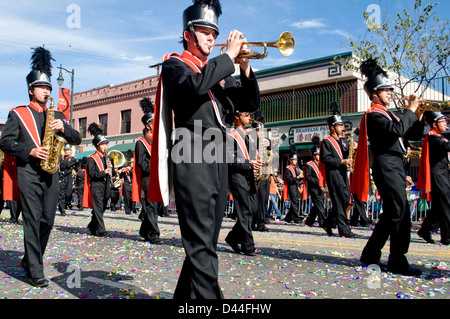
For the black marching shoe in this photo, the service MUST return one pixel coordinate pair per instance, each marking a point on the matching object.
(425, 235)
(38, 282)
(233, 246)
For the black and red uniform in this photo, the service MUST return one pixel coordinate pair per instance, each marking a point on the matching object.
(97, 190)
(38, 190)
(149, 229)
(203, 97)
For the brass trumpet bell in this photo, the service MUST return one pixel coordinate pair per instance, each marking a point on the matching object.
(429, 105)
(285, 44)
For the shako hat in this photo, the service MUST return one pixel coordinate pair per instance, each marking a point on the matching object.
(41, 68)
(316, 145)
(202, 13)
(335, 117)
(97, 132)
(148, 109)
(432, 117)
(377, 78)
(293, 153)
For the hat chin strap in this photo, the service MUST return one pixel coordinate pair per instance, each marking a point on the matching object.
(192, 30)
(381, 100)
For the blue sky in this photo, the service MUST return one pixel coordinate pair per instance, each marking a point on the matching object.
(115, 41)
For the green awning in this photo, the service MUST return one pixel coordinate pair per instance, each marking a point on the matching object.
(83, 154)
(122, 147)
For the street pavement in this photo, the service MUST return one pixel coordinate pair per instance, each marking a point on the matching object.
(294, 262)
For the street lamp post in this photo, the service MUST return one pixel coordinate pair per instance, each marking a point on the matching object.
(60, 81)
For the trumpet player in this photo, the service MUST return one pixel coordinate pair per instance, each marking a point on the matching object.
(434, 177)
(37, 190)
(202, 94)
(97, 184)
(388, 135)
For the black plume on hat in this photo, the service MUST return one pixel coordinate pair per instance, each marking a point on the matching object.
(41, 68)
(292, 152)
(41, 60)
(316, 144)
(371, 69)
(94, 129)
(316, 140)
(148, 108)
(335, 109)
(147, 105)
(211, 3)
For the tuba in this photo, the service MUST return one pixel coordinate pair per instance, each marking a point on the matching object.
(266, 158)
(53, 142)
(118, 158)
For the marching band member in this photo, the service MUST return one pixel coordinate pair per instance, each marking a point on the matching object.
(434, 177)
(203, 96)
(387, 134)
(141, 174)
(66, 166)
(312, 176)
(21, 141)
(334, 151)
(98, 180)
(126, 175)
(242, 185)
(292, 179)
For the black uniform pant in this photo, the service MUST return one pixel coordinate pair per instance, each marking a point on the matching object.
(440, 207)
(39, 196)
(115, 196)
(262, 198)
(317, 209)
(294, 208)
(242, 190)
(62, 195)
(340, 200)
(99, 201)
(200, 194)
(127, 203)
(149, 216)
(395, 221)
(359, 213)
(80, 192)
(15, 208)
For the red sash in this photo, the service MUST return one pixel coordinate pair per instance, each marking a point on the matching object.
(158, 190)
(315, 167)
(240, 141)
(322, 170)
(23, 112)
(285, 185)
(87, 195)
(424, 177)
(137, 172)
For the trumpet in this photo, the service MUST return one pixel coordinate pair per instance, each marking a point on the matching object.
(427, 105)
(285, 44)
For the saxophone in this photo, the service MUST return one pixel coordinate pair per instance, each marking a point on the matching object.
(351, 153)
(53, 142)
(266, 158)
